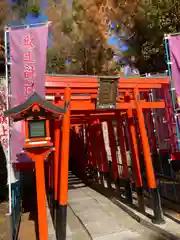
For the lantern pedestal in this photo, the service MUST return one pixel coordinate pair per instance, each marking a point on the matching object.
(39, 155)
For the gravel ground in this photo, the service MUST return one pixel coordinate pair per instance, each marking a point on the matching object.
(3, 225)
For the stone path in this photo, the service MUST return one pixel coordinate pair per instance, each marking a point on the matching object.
(91, 216)
(51, 230)
(75, 229)
(100, 219)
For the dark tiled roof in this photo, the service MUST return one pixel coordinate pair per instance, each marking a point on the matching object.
(35, 98)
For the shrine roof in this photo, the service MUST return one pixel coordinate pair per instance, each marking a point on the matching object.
(35, 99)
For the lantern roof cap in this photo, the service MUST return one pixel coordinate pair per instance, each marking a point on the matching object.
(30, 102)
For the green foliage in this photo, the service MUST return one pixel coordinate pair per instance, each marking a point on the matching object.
(55, 62)
(150, 20)
(80, 42)
(67, 26)
(34, 9)
(19, 9)
(4, 15)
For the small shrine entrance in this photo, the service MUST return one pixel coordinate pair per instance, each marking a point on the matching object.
(126, 106)
(101, 112)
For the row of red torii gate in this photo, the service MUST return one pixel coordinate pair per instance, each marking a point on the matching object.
(100, 128)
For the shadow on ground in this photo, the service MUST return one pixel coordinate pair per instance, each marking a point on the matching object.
(29, 204)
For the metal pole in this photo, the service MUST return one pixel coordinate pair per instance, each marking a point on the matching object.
(8, 130)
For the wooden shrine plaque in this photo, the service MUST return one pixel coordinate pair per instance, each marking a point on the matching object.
(107, 94)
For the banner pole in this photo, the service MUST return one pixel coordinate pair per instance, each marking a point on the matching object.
(8, 155)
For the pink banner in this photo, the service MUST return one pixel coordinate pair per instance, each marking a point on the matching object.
(3, 120)
(174, 42)
(28, 47)
(28, 62)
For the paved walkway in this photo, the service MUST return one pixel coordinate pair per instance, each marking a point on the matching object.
(91, 216)
(51, 230)
(99, 219)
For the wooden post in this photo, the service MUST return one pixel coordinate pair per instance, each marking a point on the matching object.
(64, 167)
(41, 199)
(156, 202)
(50, 182)
(96, 152)
(38, 156)
(93, 154)
(82, 159)
(51, 173)
(77, 154)
(102, 148)
(92, 158)
(73, 152)
(136, 164)
(112, 143)
(121, 138)
(148, 115)
(91, 147)
(57, 132)
(97, 149)
(48, 167)
(56, 158)
(104, 155)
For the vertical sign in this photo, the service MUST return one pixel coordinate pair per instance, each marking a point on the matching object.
(4, 125)
(28, 48)
(29, 65)
(3, 120)
(174, 50)
(28, 62)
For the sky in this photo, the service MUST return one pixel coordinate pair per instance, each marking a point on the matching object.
(115, 41)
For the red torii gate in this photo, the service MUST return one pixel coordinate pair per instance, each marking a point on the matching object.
(94, 100)
(130, 101)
